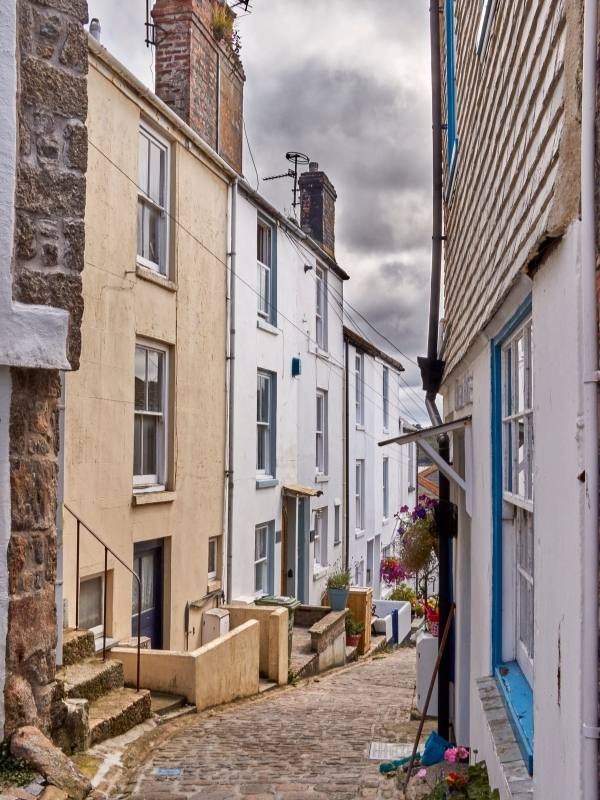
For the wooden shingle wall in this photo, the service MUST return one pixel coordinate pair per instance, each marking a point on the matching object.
(516, 180)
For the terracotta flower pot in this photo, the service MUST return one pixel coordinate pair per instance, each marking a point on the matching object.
(353, 640)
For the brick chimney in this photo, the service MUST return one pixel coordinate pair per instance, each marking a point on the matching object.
(317, 207)
(199, 73)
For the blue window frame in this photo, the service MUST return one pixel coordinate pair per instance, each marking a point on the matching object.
(452, 138)
(513, 683)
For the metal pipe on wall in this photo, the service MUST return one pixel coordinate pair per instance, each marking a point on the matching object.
(231, 386)
(589, 317)
(59, 586)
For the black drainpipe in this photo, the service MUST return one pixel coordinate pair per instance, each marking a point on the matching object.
(432, 369)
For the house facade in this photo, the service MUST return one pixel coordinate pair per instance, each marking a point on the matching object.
(517, 336)
(146, 424)
(288, 390)
(379, 480)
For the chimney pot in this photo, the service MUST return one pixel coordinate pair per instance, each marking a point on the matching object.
(95, 28)
(313, 166)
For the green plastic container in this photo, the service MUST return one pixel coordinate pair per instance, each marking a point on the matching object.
(286, 602)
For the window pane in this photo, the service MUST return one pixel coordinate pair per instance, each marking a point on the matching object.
(520, 374)
(156, 177)
(147, 582)
(137, 445)
(143, 164)
(149, 438)
(521, 460)
(262, 399)
(155, 380)
(263, 244)
(212, 556)
(153, 226)
(90, 603)
(140, 229)
(140, 378)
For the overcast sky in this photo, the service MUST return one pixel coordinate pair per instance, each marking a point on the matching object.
(347, 83)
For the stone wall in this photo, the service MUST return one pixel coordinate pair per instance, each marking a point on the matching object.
(47, 262)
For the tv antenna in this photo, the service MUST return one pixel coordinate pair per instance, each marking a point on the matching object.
(294, 158)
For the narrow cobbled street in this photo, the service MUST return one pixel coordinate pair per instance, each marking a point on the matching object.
(309, 741)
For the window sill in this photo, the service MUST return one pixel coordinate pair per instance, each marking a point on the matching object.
(358, 534)
(337, 544)
(144, 497)
(360, 427)
(320, 353)
(319, 573)
(213, 586)
(518, 782)
(266, 483)
(148, 274)
(263, 325)
(385, 520)
(320, 477)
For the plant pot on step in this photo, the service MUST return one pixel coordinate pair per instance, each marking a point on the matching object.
(337, 598)
(353, 640)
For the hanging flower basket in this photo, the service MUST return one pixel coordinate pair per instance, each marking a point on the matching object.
(392, 572)
(417, 536)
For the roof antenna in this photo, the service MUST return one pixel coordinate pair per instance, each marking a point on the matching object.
(294, 158)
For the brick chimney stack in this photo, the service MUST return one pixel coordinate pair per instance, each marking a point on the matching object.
(198, 72)
(317, 207)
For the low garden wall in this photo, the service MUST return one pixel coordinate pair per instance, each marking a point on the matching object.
(273, 646)
(218, 672)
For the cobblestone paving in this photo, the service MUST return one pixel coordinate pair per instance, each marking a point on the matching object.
(310, 741)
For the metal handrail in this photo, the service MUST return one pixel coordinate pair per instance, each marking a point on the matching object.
(107, 550)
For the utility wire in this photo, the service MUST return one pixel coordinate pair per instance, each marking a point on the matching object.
(330, 291)
(250, 151)
(305, 334)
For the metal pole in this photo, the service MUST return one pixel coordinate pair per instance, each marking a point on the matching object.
(77, 579)
(105, 591)
(444, 591)
(441, 651)
(139, 635)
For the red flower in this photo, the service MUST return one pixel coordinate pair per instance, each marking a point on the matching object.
(455, 779)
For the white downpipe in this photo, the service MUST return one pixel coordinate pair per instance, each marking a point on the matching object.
(589, 312)
(229, 476)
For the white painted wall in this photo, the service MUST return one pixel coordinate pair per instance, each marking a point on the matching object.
(363, 444)
(558, 521)
(273, 350)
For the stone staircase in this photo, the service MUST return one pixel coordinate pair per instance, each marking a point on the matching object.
(94, 691)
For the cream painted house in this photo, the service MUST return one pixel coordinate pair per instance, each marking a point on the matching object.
(146, 414)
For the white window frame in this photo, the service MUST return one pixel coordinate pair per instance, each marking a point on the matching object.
(385, 476)
(162, 266)
(213, 543)
(518, 494)
(157, 480)
(320, 540)
(359, 387)
(321, 307)
(321, 433)
(267, 470)
(265, 298)
(261, 561)
(385, 394)
(359, 495)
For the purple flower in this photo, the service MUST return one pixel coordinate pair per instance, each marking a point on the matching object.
(403, 509)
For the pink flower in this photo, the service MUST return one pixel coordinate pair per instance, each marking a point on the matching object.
(422, 773)
(450, 755)
(462, 753)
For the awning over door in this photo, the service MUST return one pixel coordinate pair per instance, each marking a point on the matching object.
(298, 489)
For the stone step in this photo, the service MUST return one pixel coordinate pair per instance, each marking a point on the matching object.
(91, 679)
(163, 703)
(117, 712)
(351, 653)
(304, 665)
(77, 646)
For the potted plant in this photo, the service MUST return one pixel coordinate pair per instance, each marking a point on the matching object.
(353, 631)
(417, 536)
(338, 584)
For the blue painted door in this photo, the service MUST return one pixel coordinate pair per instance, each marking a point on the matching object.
(148, 565)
